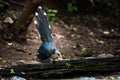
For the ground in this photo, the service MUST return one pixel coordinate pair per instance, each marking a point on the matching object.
(95, 34)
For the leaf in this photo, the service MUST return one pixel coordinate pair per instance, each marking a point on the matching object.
(51, 15)
(12, 71)
(54, 11)
(49, 10)
(85, 53)
(71, 7)
(68, 65)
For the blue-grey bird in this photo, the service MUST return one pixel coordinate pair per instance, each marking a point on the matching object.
(48, 49)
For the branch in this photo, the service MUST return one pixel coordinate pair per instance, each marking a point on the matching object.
(64, 68)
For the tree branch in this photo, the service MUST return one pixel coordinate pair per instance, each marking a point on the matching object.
(65, 68)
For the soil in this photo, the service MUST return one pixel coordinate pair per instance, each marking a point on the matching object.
(96, 34)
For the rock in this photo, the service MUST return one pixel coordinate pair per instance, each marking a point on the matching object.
(4, 61)
(6, 66)
(59, 36)
(104, 55)
(73, 35)
(112, 30)
(8, 20)
(106, 32)
(74, 46)
(67, 27)
(74, 29)
(83, 49)
(91, 33)
(56, 24)
(10, 44)
(101, 42)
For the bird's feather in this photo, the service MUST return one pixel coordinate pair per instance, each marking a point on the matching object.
(43, 26)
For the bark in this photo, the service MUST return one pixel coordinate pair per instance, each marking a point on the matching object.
(62, 69)
(25, 19)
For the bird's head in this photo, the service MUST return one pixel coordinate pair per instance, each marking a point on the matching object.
(56, 55)
(49, 50)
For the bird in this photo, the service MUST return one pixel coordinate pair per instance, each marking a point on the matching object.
(47, 49)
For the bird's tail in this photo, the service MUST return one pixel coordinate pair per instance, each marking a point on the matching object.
(43, 25)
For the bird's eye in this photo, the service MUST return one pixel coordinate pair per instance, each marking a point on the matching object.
(58, 54)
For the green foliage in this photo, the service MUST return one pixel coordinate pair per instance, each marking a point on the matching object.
(72, 8)
(12, 71)
(68, 65)
(13, 14)
(51, 14)
(85, 53)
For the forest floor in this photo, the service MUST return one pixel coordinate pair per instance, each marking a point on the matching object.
(76, 35)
